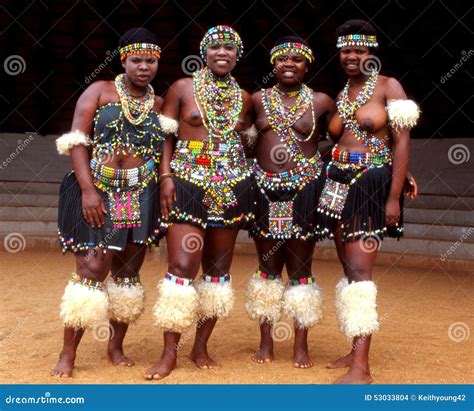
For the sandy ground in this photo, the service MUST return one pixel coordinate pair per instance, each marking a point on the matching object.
(426, 320)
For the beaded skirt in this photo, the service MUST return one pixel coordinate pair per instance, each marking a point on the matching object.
(132, 202)
(286, 203)
(214, 186)
(357, 192)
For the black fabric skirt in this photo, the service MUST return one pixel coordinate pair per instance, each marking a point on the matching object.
(285, 214)
(76, 236)
(364, 211)
(190, 207)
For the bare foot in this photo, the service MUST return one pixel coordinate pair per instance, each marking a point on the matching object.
(302, 360)
(64, 367)
(300, 349)
(355, 375)
(264, 355)
(162, 368)
(201, 358)
(117, 357)
(342, 362)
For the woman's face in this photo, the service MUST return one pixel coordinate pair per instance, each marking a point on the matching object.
(221, 58)
(290, 69)
(140, 69)
(352, 59)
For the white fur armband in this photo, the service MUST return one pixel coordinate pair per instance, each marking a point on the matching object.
(168, 125)
(251, 135)
(67, 141)
(402, 113)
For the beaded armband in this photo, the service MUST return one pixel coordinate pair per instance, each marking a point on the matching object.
(67, 141)
(402, 113)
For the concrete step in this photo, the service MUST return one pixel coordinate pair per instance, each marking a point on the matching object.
(439, 232)
(463, 218)
(441, 202)
(44, 214)
(22, 200)
(21, 187)
(28, 228)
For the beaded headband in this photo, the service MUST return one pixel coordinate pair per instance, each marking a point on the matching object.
(140, 48)
(221, 35)
(357, 40)
(290, 47)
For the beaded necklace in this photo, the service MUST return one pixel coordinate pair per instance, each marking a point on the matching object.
(135, 110)
(221, 100)
(283, 121)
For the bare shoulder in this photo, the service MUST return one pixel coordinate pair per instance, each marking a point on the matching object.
(158, 103)
(393, 89)
(322, 99)
(257, 97)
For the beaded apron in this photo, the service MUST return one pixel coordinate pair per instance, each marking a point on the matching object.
(334, 195)
(123, 188)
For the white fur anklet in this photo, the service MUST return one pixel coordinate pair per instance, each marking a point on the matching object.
(358, 309)
(67, 141)
(126, 299)
(84, 303)
(216, 296)
(402, 113)
(303, 302)
(168, 125)
(343, 283)
(264, 297)
(177, 303)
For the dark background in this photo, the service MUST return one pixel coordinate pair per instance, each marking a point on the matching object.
(63, 42)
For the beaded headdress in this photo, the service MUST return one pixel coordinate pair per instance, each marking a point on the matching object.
(291, 47)
(140, 48)
(357, 40)
(221, 35)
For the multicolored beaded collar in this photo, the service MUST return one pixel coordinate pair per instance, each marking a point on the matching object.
(221, 35)
(356, 40)
(221, 104)
(140, 48)
(291, 47)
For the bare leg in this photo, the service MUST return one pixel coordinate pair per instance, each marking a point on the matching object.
(125, 264)
(299, 257)
(216, 261)
(271, 257)
(95, 266)
(359, 263)
(185, 243)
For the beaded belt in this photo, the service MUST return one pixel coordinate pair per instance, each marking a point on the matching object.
(296, 178)
(360, 158)
(107, 177)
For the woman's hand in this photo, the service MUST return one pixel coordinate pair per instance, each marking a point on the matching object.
(93, 208)
(167, 197)
(410, 187)
(392, 212)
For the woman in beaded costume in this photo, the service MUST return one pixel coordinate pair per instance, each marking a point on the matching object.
(291, 117)
(361, 199)
(109, 203)
(205, 195)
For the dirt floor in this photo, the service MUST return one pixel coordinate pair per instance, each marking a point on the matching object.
(426, 318)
